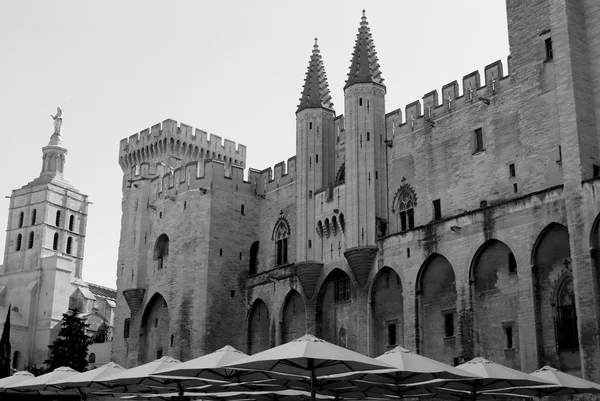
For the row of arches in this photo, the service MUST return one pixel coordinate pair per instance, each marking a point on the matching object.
(332, 227)
(482, 313)
(184, 150)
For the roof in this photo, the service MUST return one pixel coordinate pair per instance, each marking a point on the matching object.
(101, 291)
(315, 93)
(365, 64)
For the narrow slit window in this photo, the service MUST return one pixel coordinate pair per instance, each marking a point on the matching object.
(511, 170)
(437, 209)
(478, 140)
(515, 187)
(391, 334)
(548, 48)
(33, 216)
(21, 218)
(71, 222)
(309, 125)
(30, 244)
(508, 333)
(360, 101)
(449, 324)
(242, 209)
(55, 242)
(57, 221)
(19, 242)
(368, 136)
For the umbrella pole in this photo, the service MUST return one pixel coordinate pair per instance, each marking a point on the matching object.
(313, 379)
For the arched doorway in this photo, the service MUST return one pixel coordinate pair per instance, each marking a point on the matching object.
(258, 328)
(495, 304)
(387, 305)
(293, 319)
(336, 313)
(155, 330)
(556, 316)
(436, 292)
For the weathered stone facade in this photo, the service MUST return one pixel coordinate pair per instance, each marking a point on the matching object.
(465, 224)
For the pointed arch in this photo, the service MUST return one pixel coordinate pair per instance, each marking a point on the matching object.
(340, 176)
(495, 300)
(293, 317)
(154, 329)
(280, 235)
(336, 311)
(258, 327)
(387, 311)
(551, 255)
(436, 309)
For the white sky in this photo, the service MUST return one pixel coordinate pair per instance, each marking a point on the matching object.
(232, 68)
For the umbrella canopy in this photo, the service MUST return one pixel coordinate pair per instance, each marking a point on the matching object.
(494, 377)
(410, 368)
(18, 377)
(564, 384)
(213, 366)
(39, 383)
(309, 356)
(139, 379)
(84, 380)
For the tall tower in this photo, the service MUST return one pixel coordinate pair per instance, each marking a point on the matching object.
(43, 255)
(366, 168)
(315, 150)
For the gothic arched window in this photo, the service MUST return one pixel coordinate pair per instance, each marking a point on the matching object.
(566, 316)
(281, 234)
(161, 250)
(55, 242)
(57, 222)
(19, 241)
(33, 216)
(404, 206)
(69, 245)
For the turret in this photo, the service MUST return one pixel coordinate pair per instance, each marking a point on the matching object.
(315, 150)
(366, 168)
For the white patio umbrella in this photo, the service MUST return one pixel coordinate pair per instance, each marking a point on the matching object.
(82, 382)
(140, 380)
(309, 356)
(563, 384)
(18, 377)
(38, 384)
(214, 366)
(494, 377)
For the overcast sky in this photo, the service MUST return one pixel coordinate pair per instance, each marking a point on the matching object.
(232, 68)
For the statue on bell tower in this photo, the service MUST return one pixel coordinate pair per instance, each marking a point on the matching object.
(57, 121)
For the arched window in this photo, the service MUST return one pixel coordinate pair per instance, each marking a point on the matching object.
(566, 316)
(33, 216)
(342, 222)
(55, 242)
(161, 251)
(21, 219)
(282, 233)
(254, 258)
(92, 358)
(16, 362)
(30, 245)
(69, 245)
(19, 241)
(71, 222)
(403, 205)
(57, 222)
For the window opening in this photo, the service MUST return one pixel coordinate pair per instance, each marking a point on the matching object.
(515, 187)
(30, 245)
(512, 170)
(596, 170)
(408, 253)
(508, 334)
(310, 195)
(565, 322)
(33, 216)
(405, 207)
(449, 324)
(342, 288)
(21, 218)
(184, 205)
(512, 263)
(316, 158)
(161, 250)
(391, 334)
(253, 257)
(19, 241)
(57, 221)
(242, 209)
(55, 242)
(71, 223)
(220, 251)
(360, 101)
(69, 245)
(477, 140)
(159, 353)
(309, 125)
(281, 243)
(548, 48)
(437, 209)
(368, 136)
(309, 244)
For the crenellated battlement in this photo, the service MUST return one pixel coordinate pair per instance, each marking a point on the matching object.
(432, 106)
(270, 179)
(181, 141)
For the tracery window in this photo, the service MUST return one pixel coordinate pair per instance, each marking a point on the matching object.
(565, 321)
(404, 207)
(282, 233)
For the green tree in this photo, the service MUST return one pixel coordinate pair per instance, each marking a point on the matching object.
(71, 347)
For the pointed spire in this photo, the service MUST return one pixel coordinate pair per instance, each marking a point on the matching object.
(365, 64)
(315, 93)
